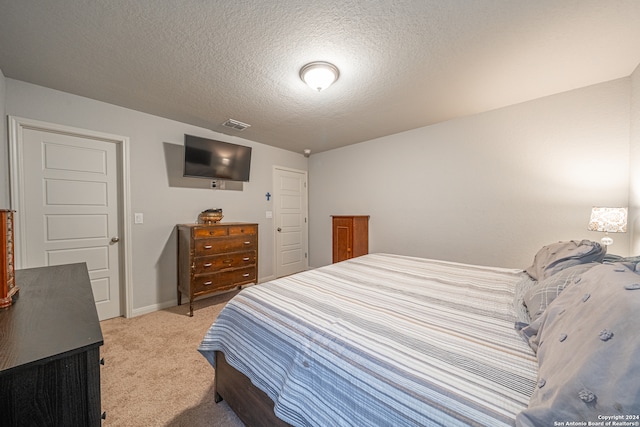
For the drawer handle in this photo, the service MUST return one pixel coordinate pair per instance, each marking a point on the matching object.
(245, 259)
(228, 261)
(247, 243)
(207, 265)
(207, 283)
(245, 275)
(207, 246)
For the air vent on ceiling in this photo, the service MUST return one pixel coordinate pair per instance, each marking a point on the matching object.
(234, 124)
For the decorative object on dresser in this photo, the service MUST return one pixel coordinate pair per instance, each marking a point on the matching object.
(210, 216)
(50, 350)
(8, 286)
(350, 236)
(216, 257)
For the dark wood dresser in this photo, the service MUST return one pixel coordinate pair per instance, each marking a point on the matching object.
(50, 342)
(216, 257)
(350, 236)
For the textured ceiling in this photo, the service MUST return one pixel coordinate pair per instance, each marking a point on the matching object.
(403, 64)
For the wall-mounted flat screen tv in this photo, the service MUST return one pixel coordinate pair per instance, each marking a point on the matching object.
(208, 158)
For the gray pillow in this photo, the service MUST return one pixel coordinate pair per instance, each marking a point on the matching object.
(618, 258)
(539, 296)
(558, 256)
(588, 346)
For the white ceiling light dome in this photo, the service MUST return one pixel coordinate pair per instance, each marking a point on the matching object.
(319, 75)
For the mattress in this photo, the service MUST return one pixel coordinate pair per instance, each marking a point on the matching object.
(381, 340)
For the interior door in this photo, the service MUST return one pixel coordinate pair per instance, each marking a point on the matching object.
(70, 201)
(290, 220)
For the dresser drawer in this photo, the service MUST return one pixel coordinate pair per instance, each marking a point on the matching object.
(204, 247)
(221, 231)
(223, 280)
(206, 232)
(242, 230)
(210, 264)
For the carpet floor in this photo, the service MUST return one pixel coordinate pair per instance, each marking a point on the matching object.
(154, 375)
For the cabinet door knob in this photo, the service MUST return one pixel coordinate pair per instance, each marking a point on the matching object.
(115, 239)
(279, 229)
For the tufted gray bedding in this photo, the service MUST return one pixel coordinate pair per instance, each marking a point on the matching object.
(588, 347)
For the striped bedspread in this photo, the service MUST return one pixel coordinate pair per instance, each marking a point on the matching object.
(382, 340)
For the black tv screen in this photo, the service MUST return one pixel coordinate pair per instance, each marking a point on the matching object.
(208, 158)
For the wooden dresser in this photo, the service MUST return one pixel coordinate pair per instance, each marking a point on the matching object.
(350, 236)
(215, 258)
(50, 350)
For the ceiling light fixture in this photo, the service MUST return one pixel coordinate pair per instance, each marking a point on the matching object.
(319, 75)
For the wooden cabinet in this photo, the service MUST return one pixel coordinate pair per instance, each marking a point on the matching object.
(215, 258)
(50, 350)
(8, 288)
(350, 236)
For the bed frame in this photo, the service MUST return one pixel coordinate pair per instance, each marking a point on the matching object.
(250, 404)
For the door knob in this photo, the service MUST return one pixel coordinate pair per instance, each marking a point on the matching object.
(279, 229)
(115, 239)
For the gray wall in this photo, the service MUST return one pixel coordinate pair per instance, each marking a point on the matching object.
(487, 189)
(157, 187)
(4, 147)
(634, 163)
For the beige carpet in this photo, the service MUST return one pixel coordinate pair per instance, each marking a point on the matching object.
(154, 375)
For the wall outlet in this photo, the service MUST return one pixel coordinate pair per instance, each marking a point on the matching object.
(269, 214)
(138, 218)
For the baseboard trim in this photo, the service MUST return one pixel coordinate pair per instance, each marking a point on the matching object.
(151, 308)
(167, 304)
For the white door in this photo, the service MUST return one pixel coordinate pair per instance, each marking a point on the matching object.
(69, 198)
(290, 220)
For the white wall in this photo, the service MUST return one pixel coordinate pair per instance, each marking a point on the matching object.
(4, 147)
(634, 163)
(157, 187)
(488, 189)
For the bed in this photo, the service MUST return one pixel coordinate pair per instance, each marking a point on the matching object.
(386, 339)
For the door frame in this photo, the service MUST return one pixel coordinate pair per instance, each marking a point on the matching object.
(276, 213)
(16, 127)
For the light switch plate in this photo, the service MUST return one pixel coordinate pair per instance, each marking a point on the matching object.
(138, 218)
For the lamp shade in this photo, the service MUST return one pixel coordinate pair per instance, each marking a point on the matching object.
(609, 220)
(319, 75)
